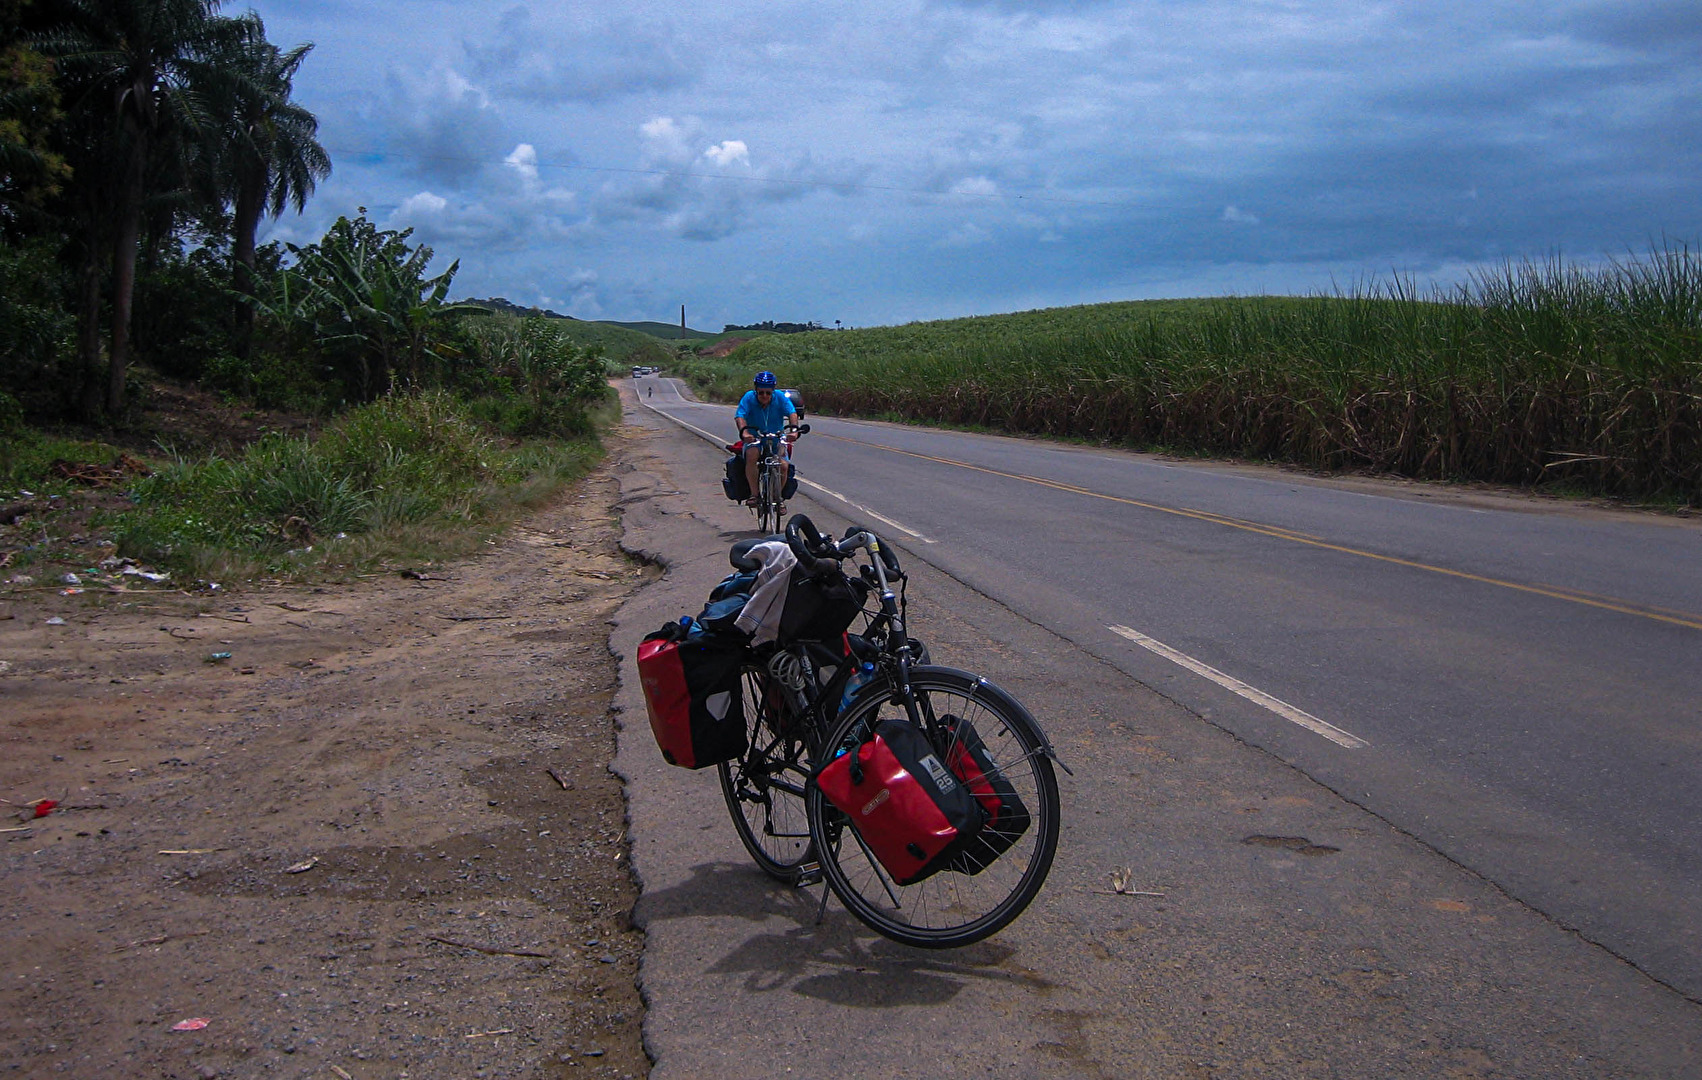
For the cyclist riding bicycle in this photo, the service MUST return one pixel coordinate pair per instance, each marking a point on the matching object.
(763, 409)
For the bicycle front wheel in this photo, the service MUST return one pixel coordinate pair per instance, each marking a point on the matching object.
(981, 894)
(764, 787)
(766, 519)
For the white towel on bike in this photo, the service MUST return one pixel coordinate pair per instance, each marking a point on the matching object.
(760, 617)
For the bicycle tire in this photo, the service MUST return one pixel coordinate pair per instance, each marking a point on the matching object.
(764, 787)
(767, 520)
(949, 909)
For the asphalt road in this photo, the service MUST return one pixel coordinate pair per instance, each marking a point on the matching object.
(1514, 682)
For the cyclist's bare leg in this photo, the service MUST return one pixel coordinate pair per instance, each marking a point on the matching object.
(752, 452)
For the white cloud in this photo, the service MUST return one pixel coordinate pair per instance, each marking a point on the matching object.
(423, 204)
(975, 185)
(728, 152)
(524, 160)
(667, 141)
(1236, 216)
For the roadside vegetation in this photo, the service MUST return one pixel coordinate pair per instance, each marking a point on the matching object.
(332, 409)
(406, 479)
(1584, 379)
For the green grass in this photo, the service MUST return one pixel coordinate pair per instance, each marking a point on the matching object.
(1535, 374)
(26, 457)
(405, 479)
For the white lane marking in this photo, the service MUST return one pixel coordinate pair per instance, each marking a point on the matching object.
(722, 443)
(1256, 696)
(882, 518)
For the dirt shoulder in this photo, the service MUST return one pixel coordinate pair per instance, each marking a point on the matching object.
(379, 840)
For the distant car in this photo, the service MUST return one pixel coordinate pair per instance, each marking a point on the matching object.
(637, 371)
(797, 399)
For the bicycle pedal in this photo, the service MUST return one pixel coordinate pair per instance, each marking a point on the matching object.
(808, 874)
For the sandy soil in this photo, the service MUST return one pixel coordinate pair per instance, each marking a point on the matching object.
(379, 840)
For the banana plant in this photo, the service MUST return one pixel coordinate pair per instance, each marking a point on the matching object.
(362, 297)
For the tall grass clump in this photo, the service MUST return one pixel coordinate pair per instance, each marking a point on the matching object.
(1529, 373)
(404, 476)
(536, 379)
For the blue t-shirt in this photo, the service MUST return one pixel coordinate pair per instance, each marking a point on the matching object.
(772, 418)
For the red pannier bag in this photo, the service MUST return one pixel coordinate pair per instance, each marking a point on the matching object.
(1007, 817)
(908, 808)
(692, 692)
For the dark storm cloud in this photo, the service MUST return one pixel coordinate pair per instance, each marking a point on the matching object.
(991, 152)
(438, 128)
(588, 63)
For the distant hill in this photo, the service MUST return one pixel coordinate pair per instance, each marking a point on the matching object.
(508, 307)
(622, 342)
(665, 331)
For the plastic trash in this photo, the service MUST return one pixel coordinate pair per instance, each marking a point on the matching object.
(192, 1024)
(45, 807)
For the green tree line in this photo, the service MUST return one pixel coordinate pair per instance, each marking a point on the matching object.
(142, 145)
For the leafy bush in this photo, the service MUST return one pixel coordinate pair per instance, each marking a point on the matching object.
(35, 330)
(558, 378)
(402, 462)
(183, 312)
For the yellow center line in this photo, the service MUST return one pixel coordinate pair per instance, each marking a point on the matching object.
(1555, 592)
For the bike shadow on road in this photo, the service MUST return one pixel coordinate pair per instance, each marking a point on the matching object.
(839, 961)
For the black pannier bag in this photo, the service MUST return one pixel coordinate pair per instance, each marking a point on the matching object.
(736, 487)
(904, 803)
(693, 694)
(734, 483)
(1007, 817)
(822, 607)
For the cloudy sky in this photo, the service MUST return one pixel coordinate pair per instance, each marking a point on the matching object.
(890, 160)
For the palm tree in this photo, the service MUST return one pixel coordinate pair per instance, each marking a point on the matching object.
(270, 152)
(133, 69)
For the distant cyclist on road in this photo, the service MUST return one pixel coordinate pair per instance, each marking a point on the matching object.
(763, 409)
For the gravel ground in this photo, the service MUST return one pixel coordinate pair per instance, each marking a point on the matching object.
(379, 840)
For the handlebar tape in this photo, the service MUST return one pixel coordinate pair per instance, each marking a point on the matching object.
(806, 541)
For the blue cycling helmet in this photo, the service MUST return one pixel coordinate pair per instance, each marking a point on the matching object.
(765, 380)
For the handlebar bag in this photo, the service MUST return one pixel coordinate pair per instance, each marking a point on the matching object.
(821, 607)
(735, 584)
(904, 803)
(1007, 817)
(693, 696)
(721, 616)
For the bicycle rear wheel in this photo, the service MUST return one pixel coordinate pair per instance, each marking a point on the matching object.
(957, 906)
(764, 787)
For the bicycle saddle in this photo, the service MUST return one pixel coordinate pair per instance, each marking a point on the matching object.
(740, 553)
